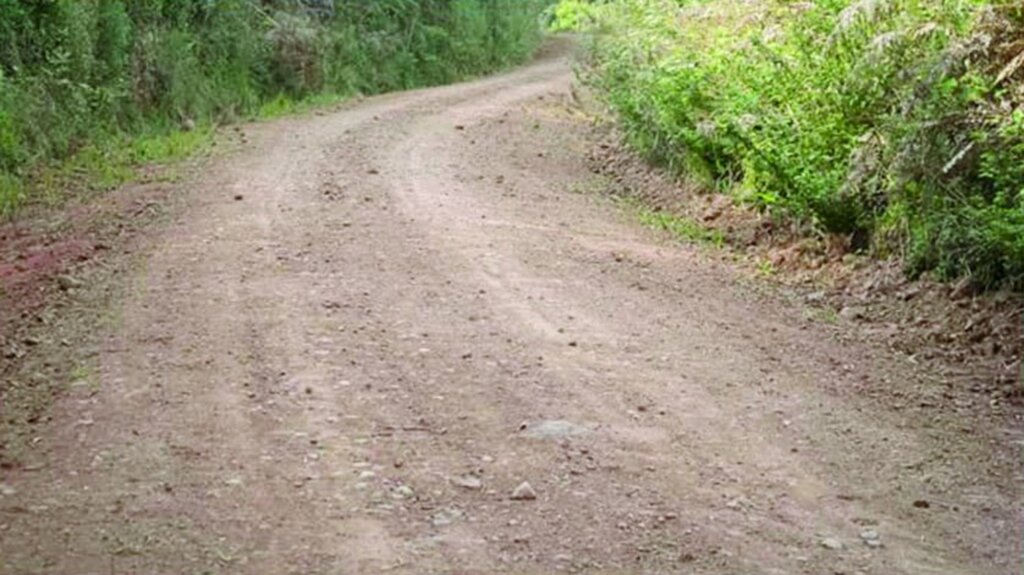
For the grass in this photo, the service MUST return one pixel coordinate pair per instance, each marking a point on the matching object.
(80, 372)
(681, 227)
(283, 105)
(85, 374)
(115, 162)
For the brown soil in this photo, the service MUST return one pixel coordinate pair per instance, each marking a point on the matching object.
(358, 336)
(974, 339)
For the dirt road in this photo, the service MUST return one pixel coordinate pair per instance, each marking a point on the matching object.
(370, 327)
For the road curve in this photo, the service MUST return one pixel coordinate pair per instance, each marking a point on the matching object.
(369, 327)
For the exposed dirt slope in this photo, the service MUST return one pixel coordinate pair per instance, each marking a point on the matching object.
(370, 327)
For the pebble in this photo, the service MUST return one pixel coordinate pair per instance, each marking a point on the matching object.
(67, 283)
(524, 492)
(871, 538)
(403, 492)
(832, 543)
(446, 517)
(869, 535)
(853, 312)
(467, 482)
(441, 520)
(815, 297)
(552, 429)
(7, 490)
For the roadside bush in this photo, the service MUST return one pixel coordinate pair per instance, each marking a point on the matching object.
(896, 122)
(78, 76)
(296, 54)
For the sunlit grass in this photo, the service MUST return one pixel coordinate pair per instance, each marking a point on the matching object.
(106, 165)
(681, 227)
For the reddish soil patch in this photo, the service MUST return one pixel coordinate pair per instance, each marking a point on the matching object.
(46, 249)
(29, 261)
(39, 256)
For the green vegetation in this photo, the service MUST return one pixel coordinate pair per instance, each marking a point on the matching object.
(569, 15)
(899, 123)
(681, 227)
(94, 86)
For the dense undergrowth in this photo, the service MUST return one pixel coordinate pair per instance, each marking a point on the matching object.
(897, 123)
(98, 85)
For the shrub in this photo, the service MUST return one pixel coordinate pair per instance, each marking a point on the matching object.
(296, 54)
(87, 75)
(896, 122)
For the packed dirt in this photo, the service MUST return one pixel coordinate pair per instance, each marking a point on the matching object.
(363, 334)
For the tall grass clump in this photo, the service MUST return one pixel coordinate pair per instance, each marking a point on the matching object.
(86, 79)
(899, 123)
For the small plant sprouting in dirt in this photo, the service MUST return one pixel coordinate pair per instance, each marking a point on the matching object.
(766, 269)
(84, 375)
(80, 373)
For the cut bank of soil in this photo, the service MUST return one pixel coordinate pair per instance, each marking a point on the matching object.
(366, 331)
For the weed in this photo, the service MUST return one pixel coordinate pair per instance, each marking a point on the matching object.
(84, 374)
(11, 193)
(112, 162)
(766, 269)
